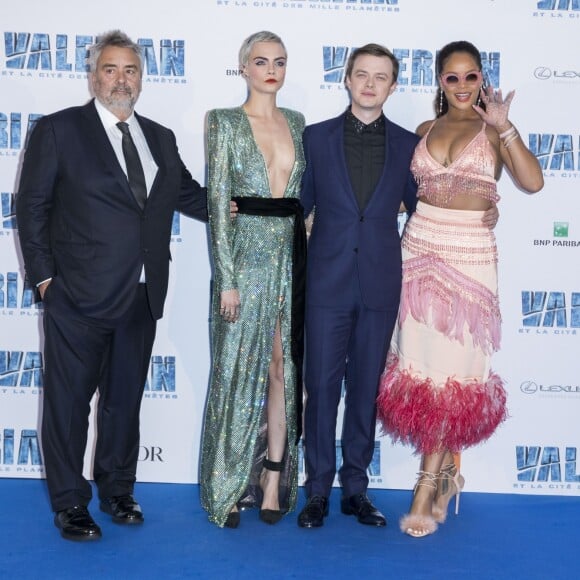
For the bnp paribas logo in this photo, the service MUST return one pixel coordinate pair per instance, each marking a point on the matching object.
(561, 229)
(560, 237)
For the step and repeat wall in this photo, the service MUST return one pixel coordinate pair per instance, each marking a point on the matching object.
(191, 67)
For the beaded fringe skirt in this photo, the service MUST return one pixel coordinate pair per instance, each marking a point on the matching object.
(437, 391)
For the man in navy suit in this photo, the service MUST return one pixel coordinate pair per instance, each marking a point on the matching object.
(357, 178)
(95, 222)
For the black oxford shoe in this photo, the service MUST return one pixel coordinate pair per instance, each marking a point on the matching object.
(360, 506)
(76, 524)
(123, 508)
(312, 516)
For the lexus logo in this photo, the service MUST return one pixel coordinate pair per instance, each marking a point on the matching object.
(543, 73)
(528, 387)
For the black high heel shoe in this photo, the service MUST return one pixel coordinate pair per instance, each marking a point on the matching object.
(233, 520)
(271, 516)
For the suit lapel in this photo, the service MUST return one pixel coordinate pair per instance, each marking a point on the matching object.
(390, 150)
(155, 148)
(107, 154)
(103, 147)
(336, 149)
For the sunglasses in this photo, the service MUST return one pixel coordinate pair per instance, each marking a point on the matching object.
(452, 79)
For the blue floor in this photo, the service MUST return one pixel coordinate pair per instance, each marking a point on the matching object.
(494, 537)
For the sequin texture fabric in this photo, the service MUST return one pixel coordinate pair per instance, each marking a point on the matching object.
(254, 255)
(473, 172)
(438, 391)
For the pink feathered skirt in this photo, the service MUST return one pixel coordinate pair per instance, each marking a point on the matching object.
(437, 391)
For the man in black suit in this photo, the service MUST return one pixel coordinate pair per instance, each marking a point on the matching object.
(94, 208)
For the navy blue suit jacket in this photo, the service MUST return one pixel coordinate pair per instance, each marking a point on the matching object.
(79, 222)
(347, 243)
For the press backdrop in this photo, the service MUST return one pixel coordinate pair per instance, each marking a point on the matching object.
(191, 66)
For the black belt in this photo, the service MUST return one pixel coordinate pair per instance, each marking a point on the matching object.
(284, 207)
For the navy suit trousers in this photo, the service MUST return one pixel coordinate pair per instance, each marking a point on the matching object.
(343, 342)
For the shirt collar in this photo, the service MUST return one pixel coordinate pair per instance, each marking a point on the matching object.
(376, 126)
(107, 118)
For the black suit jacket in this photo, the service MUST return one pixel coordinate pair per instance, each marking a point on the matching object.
(79, 222)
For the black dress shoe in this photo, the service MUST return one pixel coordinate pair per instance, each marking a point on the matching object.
(360, 506)
(312, 516)
(123, 508)
(76, 524)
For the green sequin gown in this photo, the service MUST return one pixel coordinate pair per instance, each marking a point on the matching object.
(254, 255)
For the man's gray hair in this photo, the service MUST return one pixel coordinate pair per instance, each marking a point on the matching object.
(112, 38)
(248, 44)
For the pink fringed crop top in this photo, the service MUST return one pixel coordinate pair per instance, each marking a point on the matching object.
(472, 173)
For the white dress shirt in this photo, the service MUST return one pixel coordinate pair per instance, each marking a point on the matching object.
(115, 137)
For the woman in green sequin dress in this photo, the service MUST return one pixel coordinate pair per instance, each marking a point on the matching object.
(249, 450)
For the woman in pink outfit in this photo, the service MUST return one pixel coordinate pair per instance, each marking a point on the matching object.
(438, 392)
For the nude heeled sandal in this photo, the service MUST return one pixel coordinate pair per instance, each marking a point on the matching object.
(415, 525)
(451, 483)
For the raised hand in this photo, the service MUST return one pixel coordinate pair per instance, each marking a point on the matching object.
(496, 108)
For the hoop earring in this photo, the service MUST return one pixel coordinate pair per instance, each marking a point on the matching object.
(440, 101)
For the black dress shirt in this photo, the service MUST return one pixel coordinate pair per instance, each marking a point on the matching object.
(364, 148)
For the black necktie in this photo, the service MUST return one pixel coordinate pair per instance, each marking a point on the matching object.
(135, 173)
